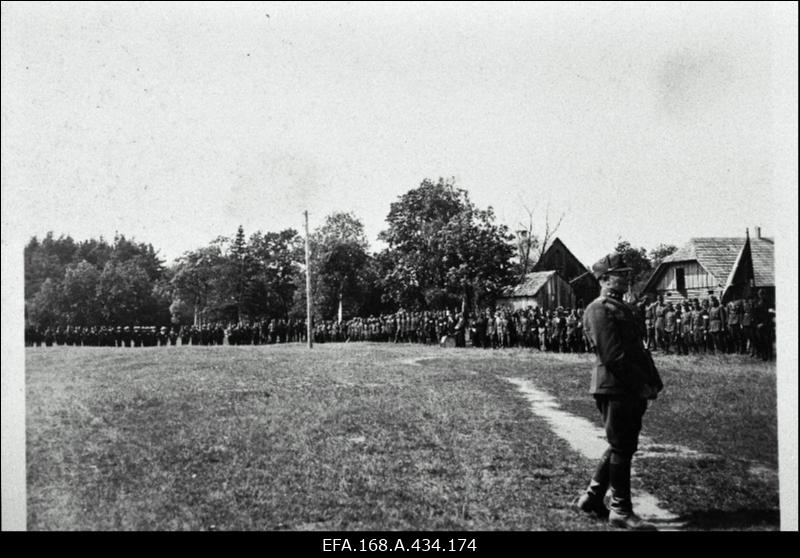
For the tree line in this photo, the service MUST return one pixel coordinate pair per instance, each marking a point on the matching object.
(442, 252)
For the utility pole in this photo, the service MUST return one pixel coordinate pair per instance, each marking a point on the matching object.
(308, 290)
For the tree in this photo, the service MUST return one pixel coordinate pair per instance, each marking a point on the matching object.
(80, 294)
(96, 252)
(46, 259)
(239, 270)
(196, 278)
(527, 245)
(660, 252)
(276, 257)
(125, 295)
(550, 230)
(637, 259)
(45, 309)
(443, 250)
(531, 246)
(339, 260)
(80, 273)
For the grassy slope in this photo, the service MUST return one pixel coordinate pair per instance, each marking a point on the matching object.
(279, 438)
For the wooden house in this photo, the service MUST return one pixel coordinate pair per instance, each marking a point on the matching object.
(559, 258)
(726, 268)
(543, 289)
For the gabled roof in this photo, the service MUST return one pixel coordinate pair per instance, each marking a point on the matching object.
(718, 255)
(557, 242)
(531, 284)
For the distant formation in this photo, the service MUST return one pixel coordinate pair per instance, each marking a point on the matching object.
(743, 326)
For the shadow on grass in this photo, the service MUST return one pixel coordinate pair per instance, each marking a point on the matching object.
(725, 520)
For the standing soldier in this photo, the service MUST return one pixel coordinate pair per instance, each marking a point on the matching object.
(698, 328)
(734, 325)
(413, 327)
(659, 309)
(650, 325)
(572, 331)
(670, 323)
(763, 318)
(500, 329)
(706, 321)
(525, 329)
(624, 378)
(748, 342)
(544, 330)
(391, 328)
(491, 331)
(686, 327)
(716, 325)
(49, 337)
(460, 330)
(536, 323)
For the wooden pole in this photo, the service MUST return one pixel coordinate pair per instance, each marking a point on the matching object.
(308, 290)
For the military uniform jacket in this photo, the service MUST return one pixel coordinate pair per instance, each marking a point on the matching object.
(623, 366)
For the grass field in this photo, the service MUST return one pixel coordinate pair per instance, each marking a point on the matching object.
(368, 437)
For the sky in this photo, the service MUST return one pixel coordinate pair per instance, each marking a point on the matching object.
(176, 123)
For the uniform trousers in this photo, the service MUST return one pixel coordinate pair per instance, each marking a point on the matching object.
(622, 419)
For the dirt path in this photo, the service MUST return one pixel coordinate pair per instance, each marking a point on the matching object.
(589, 440)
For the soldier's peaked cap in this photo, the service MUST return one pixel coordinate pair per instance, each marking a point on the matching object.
(608, 264)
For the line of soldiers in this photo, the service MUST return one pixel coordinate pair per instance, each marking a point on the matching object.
(743, 326)
(559, 330)
(691, 327)
(264, 332)
(104, 336)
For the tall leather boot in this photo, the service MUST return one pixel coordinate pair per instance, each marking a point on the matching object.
(621, 513)
(591, 501)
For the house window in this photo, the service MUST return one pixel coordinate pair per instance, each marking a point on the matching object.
(680, 279)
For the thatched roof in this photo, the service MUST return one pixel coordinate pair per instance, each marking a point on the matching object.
(530, 285)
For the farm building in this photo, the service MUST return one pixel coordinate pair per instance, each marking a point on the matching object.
(727, 268)
(559, 258)
(543, 289)
(586, 288)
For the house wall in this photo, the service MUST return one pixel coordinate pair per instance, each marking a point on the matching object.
(556, 292)
(698, 282)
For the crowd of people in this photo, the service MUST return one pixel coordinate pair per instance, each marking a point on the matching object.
(743, 326)
(688, 327)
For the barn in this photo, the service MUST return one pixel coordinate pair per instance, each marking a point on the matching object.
(724, 267)
(558, 257)
(543, 289)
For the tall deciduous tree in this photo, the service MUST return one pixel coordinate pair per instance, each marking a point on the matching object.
(195, 280)
(339, 262)
(46, 307)
(276, 257)
(80, 294)
(443, 250)
(124, 292)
